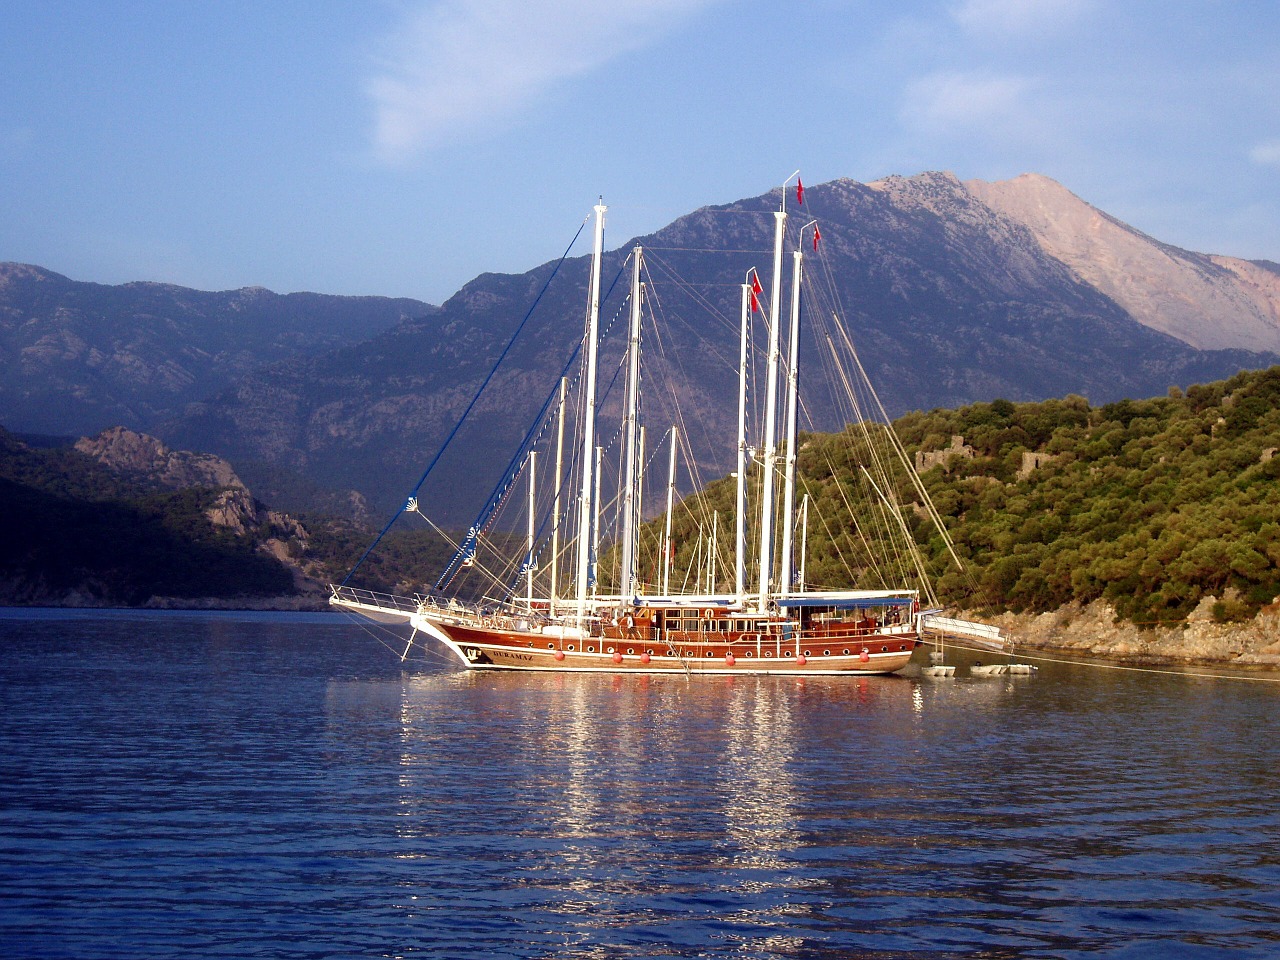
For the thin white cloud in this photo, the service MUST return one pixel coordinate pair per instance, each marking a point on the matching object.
(461, 65)
(1017, 16)
(946, 103)
(1266, 154)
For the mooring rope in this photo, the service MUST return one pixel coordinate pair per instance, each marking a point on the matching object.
(1116, 666)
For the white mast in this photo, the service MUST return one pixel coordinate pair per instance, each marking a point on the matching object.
(789, 476)
(555, 509)
(639, 489)
(771, 408)
(586, 512)
(533, 472)
(626, 586)
(595, 521)
(711, 554)
(740, 542)
(671, 498)
(804, 538)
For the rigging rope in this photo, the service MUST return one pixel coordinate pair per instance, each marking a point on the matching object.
(475, 399)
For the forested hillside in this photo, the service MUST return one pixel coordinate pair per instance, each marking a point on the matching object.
(1150, 505)
(120, 520)
(71, 530)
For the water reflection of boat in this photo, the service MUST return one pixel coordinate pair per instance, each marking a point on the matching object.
(718, 625)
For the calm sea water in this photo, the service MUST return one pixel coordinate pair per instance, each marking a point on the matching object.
(270, 785)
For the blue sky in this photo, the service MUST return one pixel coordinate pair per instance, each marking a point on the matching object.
(401, 147)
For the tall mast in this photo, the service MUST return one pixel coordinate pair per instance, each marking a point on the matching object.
(740, 536)
(553, 591)
(671, 499)
(711, 554)
(595, 520)
(586, 511)
(804, 538)
(789, 476)
(771, 409)
(629, 511)
(639, 488)
(533, 473)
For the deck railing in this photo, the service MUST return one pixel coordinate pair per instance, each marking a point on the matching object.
(449, 607)
(375, 599)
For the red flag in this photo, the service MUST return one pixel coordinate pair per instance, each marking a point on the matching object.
(755, 304)
(817, 235)
(755, 283)
(799, 192)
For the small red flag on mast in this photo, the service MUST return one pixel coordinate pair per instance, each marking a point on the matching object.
(755, 304)
(817, 235)
(755, 283)
(799, 192)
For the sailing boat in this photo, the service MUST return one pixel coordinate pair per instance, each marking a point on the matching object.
(774, 626)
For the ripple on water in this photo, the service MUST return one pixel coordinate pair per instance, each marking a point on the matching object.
(277, 787)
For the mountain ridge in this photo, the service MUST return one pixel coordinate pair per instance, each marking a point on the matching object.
(76, 356)
(952, 299)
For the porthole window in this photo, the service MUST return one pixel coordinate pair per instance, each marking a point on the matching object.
(591, 649)
(806, 653)
(884, 649)
(768, 653)
(551, 646)
(787, 653)
(630, 651)
(846, 651)
(826, 653)
(610, 650)
(569, 647)
(670, 652)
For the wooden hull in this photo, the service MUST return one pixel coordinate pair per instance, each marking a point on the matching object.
(500, 648)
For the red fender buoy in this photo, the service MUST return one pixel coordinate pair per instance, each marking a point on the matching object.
(728, 658)
(802, 660)
(617, 657)
(644, 658)
(559, 654)
(865, 655)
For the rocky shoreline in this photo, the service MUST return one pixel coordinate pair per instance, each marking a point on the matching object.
(1093, 631)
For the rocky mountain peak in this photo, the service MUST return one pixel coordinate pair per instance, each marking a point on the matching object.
(1210, 303)
(141, 457)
